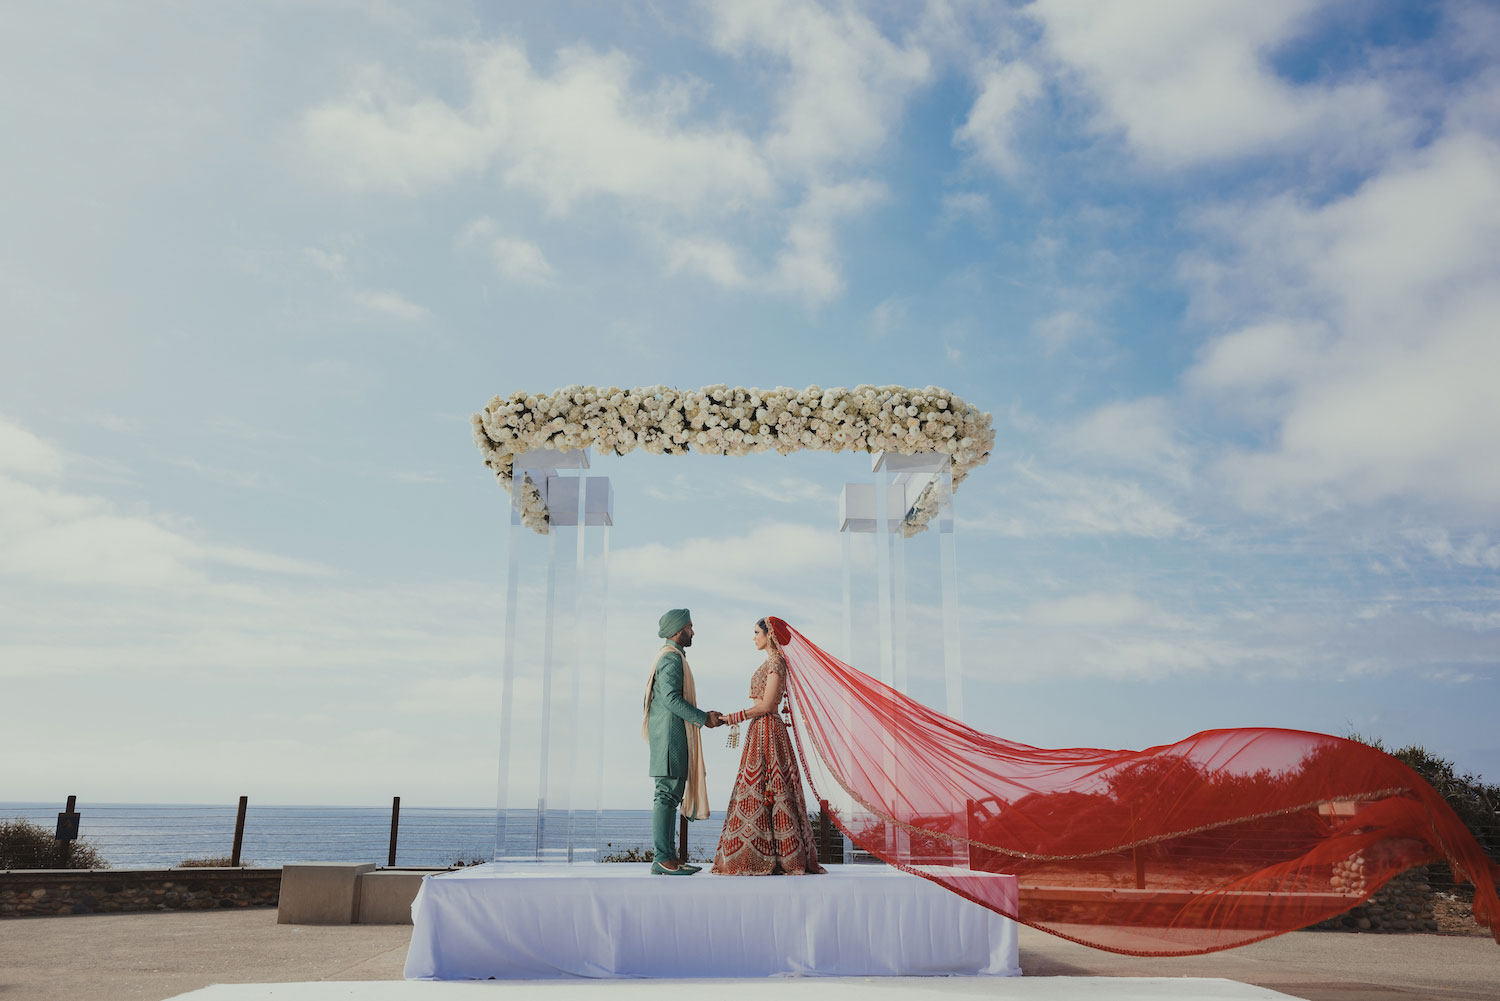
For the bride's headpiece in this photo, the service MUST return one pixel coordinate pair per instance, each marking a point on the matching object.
(776, 633)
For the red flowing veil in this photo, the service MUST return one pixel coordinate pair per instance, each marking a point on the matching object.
(1218, 840)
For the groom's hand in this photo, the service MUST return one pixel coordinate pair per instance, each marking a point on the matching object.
(714, 719)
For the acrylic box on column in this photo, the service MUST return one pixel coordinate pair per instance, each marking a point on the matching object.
(552, 674)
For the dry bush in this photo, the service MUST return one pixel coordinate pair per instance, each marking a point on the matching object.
(25, 845)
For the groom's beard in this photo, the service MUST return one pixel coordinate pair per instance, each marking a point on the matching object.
(687, 641)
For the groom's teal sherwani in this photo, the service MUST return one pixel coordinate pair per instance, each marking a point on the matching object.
(666, 728)
(670, 712)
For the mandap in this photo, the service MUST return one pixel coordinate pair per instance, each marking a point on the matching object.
(1213, 841)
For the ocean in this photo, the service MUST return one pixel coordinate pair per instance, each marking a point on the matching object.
(152, 835)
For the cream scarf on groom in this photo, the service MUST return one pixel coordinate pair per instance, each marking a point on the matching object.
(695, 796)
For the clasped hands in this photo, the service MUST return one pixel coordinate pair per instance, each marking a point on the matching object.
(715, 718)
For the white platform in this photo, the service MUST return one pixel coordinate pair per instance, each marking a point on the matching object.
(528, 922)
(862, 989)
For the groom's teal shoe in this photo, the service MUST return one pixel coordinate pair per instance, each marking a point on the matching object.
(691, 868)
(682, 870)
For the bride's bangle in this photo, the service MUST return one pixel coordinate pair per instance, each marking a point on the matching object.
(737, 718)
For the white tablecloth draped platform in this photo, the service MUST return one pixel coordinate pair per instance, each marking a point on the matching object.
(617, 920)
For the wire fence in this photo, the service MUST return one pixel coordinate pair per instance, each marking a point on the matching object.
(130, 836)
(133, 836)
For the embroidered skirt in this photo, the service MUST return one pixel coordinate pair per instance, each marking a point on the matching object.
(766, 827)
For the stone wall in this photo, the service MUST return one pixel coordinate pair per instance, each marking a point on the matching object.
(1404, 904)
(30, 892)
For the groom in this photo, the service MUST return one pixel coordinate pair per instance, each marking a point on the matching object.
(667, 715)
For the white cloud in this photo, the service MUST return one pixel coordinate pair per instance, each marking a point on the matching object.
(152, 615)
(514, 259)
(1366, 336)
(1004, 92)
(330, 261)
(1055, 503)
(1253, 369)
(380, 303)
(789, 490)
(1191, 83)
(1111, 609)
(388, 305)
(808, 263)
(890, 315)
(1140, 434)
(710, 257)
(754, 564)
(53, 535)
(387, 136)
(24, 454)
(1118, 635)
(252, 559)
(1285, 633)
(1476, 551)
(700, 189)
(1064, 330)
(521, 260)
(973, 206)
(584, 131)
(847, 82)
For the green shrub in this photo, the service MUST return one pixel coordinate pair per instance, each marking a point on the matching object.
(25, 845)
(632, 854)
(1476, 802)
(221, 862)
(636, 853)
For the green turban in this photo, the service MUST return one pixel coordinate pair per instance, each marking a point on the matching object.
(673, 622)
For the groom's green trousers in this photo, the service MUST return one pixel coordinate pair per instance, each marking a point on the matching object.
(664, 806)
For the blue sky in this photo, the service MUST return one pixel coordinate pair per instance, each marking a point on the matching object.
(1224, 273)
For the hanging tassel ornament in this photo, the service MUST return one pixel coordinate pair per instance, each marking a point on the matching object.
(734, 736)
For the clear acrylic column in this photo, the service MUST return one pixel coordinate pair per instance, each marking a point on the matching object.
(919, 578)
(551, 708)
(592, 645)
(901, 595)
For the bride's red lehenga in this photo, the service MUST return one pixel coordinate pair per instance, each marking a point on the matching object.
(767, 831)
(1221, 839)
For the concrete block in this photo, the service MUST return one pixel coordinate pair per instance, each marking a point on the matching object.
(385, 895)
(320, 893)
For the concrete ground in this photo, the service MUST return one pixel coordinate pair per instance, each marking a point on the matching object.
(157, 956)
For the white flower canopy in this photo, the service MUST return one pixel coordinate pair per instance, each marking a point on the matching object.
(720, 420)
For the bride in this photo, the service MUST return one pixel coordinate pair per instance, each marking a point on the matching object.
(766, 827)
